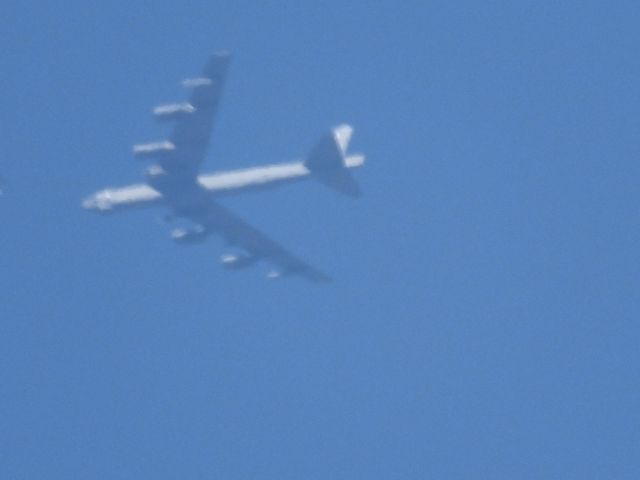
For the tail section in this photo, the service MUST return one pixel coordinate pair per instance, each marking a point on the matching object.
(329, 163)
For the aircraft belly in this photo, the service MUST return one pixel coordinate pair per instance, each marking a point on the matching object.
(252, 178)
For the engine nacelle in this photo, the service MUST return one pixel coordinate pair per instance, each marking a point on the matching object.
(197, 82)
(154, 173)
(273, 275)
(190, 236)
(173, 111)
(157, 176)
(161, 149)
(234, 262)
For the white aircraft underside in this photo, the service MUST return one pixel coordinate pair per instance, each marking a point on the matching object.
(173, 180)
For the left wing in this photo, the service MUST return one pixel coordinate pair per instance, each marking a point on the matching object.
(214, 218)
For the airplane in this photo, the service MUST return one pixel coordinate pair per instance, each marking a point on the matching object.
(174, 181)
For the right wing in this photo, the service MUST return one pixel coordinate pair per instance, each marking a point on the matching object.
(185, 151)
(217, 219)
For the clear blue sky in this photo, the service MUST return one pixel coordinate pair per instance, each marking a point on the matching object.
(484, 318)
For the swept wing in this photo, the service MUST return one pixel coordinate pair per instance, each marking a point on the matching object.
(216, 219)
(177, 161)
(183, 153)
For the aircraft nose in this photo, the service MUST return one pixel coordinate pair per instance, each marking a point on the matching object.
(100, 201)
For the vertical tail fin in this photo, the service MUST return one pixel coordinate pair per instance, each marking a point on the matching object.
(329, 163)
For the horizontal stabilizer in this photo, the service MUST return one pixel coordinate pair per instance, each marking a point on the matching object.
(341, 181)
(329, 163)
(330, 150)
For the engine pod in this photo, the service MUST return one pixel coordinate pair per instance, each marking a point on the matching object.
(160, 149)
(173, 111)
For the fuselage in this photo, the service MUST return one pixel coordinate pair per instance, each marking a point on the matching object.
(216, 184)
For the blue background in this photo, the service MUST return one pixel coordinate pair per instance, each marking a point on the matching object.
(484, 318)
